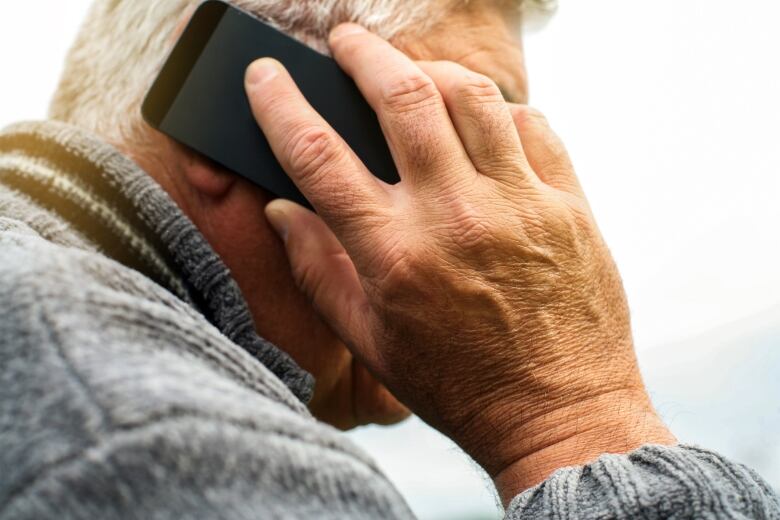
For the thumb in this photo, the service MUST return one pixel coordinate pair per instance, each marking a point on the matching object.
(322, 269)
(373, 402)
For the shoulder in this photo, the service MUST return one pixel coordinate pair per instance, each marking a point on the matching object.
(112, 387)
(31, 263)
(95, 311)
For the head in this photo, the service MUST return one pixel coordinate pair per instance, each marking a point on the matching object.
(122, 46)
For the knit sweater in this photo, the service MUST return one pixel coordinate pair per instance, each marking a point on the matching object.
(133, 383)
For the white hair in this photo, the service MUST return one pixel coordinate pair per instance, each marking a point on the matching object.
(122, 45)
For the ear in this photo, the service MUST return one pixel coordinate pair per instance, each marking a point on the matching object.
(206, 177)
(202, 175)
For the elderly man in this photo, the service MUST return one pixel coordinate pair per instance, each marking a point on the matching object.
(160, 343)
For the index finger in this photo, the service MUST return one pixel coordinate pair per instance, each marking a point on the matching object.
(328, 173)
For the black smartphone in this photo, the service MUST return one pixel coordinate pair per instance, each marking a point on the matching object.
(199, 100)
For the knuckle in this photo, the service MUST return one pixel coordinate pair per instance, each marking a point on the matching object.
(526, 115)
(535, 113)
(557, 161)
(476, 89)
(410, 92)
(470, 230)
(310, 151)
(554, 159)
(473, 234)
(560, 226)
(402, 272)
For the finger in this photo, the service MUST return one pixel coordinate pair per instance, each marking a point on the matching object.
(422, 139)
(374, 404)
(315, 157)
(323, 271)
(483, 121)
(545, 151)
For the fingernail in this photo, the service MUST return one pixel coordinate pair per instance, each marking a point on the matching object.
(262, 70)
(278, 218)
(346, 29)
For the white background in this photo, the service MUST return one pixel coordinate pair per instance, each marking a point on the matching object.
(671, 110)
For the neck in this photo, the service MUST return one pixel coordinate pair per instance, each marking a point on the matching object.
(119, 208)
(229, 212)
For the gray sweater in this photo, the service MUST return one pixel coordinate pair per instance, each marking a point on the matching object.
(133, 383)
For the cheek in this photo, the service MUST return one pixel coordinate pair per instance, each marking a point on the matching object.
(506, 66)
(251, 248)
(513, 63)
(242, 236)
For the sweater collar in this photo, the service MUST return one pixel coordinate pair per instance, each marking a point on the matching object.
(131, 219)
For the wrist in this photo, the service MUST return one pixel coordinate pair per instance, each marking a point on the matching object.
(618, 421)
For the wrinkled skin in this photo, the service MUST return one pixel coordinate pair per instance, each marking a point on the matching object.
(228, 210)
(478, 289)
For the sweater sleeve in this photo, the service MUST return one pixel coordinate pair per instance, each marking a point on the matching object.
(654, 482)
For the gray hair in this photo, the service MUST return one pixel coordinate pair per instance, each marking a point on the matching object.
(122, 45)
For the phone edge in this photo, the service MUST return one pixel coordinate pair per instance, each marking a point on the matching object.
(180, 61)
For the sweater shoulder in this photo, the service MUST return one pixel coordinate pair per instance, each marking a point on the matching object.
(95, 310)
(114, 388)
(110, 382)
(62, 271)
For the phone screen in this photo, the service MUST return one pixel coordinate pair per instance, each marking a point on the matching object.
(199, 98)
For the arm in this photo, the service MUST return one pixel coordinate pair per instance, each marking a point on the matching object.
(478, 289)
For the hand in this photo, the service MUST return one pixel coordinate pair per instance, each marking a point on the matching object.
(478, 289)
